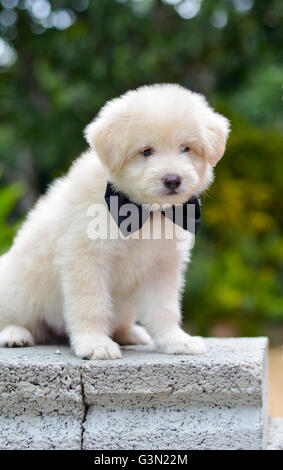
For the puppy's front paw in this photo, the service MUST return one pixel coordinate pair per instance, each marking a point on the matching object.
(14, 336)
(181, 343)
(90, 346)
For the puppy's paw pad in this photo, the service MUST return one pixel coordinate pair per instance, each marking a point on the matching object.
(96, 347)
(183, 344)
(14, 336)
(134, 335)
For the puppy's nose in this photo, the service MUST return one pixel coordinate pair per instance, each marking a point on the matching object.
(172, 181)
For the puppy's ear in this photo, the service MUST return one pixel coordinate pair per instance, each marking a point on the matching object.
(107, 136)
(216, 131)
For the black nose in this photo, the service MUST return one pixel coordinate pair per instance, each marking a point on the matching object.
(172, 181)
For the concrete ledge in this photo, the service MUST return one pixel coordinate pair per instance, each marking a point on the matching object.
(275, 434)
(51, 400)
(41, 402)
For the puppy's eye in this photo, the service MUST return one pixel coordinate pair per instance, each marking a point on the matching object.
(185, 149)
(147, 152)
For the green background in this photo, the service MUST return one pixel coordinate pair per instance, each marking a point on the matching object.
(61, 60)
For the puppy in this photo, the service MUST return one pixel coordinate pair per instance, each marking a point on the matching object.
(156, 145)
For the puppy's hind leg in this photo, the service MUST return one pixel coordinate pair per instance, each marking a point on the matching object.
(12, 302)
(133, 334)
(13, 336)
(125, 331)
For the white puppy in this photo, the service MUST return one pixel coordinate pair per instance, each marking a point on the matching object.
(156, 144)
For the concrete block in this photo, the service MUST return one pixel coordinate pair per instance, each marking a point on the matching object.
(41, 403)
(143, 401)
(275, 434)
(155, 401)
(46, 432)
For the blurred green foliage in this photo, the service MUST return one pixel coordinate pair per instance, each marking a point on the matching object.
(9, 196)
(237, 269)
(61, 60)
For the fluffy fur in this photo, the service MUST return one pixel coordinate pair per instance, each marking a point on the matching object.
(56, 278)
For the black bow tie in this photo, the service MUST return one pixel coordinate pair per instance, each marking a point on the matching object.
(120, 207)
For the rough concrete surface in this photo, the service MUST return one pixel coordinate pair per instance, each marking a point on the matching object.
(146, 400)
(41, 403)
(275, 434)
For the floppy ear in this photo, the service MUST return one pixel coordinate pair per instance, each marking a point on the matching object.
(107, 135)
(215, 136)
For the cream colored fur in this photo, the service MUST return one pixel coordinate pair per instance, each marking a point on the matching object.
(55, 276)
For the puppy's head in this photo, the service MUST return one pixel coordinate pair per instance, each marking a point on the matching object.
(159, 143)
